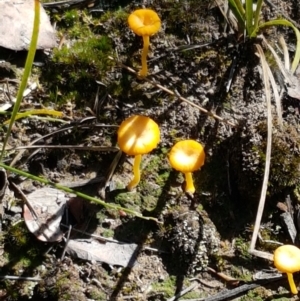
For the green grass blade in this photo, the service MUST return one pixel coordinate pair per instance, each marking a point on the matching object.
(28, 66)
(257, 13)
(79, 194)
(237, 9)
(249, 16)
(285, 22)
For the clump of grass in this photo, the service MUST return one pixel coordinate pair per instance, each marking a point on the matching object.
(249, 23)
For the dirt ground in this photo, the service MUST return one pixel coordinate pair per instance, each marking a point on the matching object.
(200, 242)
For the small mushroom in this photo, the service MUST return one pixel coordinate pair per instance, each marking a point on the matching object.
(187, 156)
(145, 23)
(287, 260)
(138, 135)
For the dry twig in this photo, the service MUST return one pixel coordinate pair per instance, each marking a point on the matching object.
(184, 291)
(201, 109)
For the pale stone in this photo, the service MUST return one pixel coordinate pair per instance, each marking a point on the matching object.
(16, 25)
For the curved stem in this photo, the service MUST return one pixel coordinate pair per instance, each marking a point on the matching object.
(144, 70)
(79, 194)
(189, 183)
(292, 283)
(136, 172)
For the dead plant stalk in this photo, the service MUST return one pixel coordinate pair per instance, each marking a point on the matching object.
(261, 205)
(211, 114)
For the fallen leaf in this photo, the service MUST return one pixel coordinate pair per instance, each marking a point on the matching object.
(113, 253)
(44, 217)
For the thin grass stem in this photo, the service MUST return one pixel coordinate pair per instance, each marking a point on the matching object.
(77, 193)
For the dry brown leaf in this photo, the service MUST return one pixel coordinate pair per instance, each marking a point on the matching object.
(48, 206)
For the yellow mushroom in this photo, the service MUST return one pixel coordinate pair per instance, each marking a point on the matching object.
(138, 135)
(187, 156)
(287, 260)
(145, 23)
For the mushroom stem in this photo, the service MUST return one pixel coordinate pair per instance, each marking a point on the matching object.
(189, 182)
(144, 70)
(292, 283)
(136, 172)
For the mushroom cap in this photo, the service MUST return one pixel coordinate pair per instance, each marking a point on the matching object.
(138, 135)
(287, 259)
(187, 156)
(144, 22)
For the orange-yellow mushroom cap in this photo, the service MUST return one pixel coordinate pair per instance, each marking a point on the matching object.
(138, 135)
(187, 156)
(287, 260)
(144, 22)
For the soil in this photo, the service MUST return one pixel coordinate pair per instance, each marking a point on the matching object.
(197, 241)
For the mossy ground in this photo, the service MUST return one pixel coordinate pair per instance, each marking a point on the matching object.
(80, 79)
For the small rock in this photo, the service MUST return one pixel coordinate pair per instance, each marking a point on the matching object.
(16, 24)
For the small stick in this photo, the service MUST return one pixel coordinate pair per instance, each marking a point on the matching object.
(223, 276)
(66, 244)
(228, 294)
(68, 3)
(81, 183)
(89, 148)
(107, 239)
(183, 292)
(110, 173)
(25, 200)
(8, 277)
(78, 193)
(80, 125)
(209, 113)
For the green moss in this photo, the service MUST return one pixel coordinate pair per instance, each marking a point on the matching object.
(158, 168)
(193, 295)
(107, 233)
(74, 68)
(118, 17)
(251, 296)
(147, 188)
(241, 273)
(23, 250)
(131, 200)
(63, 284)
(22, 254)
(96, 294)
(70, 18)
(258, 294)
(120, 185)
(12, 291)
(19, 235)
(242, 248)
(149, 202)
(167, 287)
(90, 53)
